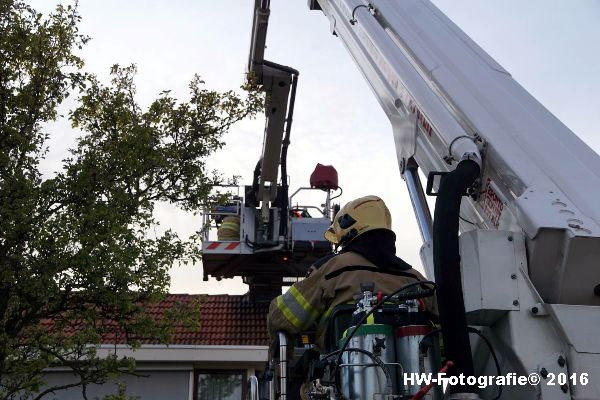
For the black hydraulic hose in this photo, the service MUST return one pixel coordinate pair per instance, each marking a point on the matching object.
(256, 176)
(284, 149)
(446, 259)
(252, 198)
(286, 141)
(423, 348)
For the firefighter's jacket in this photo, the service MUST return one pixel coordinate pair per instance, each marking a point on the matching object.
(334, 282)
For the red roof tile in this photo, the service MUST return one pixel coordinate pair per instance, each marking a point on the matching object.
(224, 320)
(227, 320)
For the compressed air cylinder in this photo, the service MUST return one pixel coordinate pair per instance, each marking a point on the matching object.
(408, 339)
(361, 377)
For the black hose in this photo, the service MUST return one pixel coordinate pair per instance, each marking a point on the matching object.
(372, 356)
(284, 149)
(255, 184)
(493, 353)
(286, 141)
(409, 296)
(423, 348)
(446, 259)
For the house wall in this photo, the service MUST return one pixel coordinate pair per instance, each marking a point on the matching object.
(165, 372)
(154, 385)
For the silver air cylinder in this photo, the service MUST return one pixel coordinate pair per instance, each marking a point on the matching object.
(361, 377)
(408, 339)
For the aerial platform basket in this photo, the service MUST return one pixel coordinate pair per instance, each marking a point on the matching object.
(242, 254)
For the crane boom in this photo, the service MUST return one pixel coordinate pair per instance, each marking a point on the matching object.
(441, 91)
(279, 83)
(539, 187)
(261, 237)
(525, 265)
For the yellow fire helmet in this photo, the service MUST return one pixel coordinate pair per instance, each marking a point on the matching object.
(357, 217)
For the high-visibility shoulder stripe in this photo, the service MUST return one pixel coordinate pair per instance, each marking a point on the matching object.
(303, 302)
(287, 313)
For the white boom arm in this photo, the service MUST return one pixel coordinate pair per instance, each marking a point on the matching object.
(441, 91)
(276, 81)
(531, 264)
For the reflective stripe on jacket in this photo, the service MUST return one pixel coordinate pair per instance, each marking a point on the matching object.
(335, 282)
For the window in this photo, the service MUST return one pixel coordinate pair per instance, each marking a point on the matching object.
(220, 384)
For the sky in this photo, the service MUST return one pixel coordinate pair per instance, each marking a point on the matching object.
(551, 47)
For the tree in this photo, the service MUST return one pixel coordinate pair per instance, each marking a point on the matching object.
(78, 254)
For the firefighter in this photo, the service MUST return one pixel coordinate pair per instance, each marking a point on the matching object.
(229, 230)
(362, 230)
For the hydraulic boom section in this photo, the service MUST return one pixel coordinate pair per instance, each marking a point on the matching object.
(447, 100)
(261, 236)
(278, 82)
(520, 188)
(531, 189)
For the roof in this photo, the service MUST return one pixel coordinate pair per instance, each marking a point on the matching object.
(225, 320)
